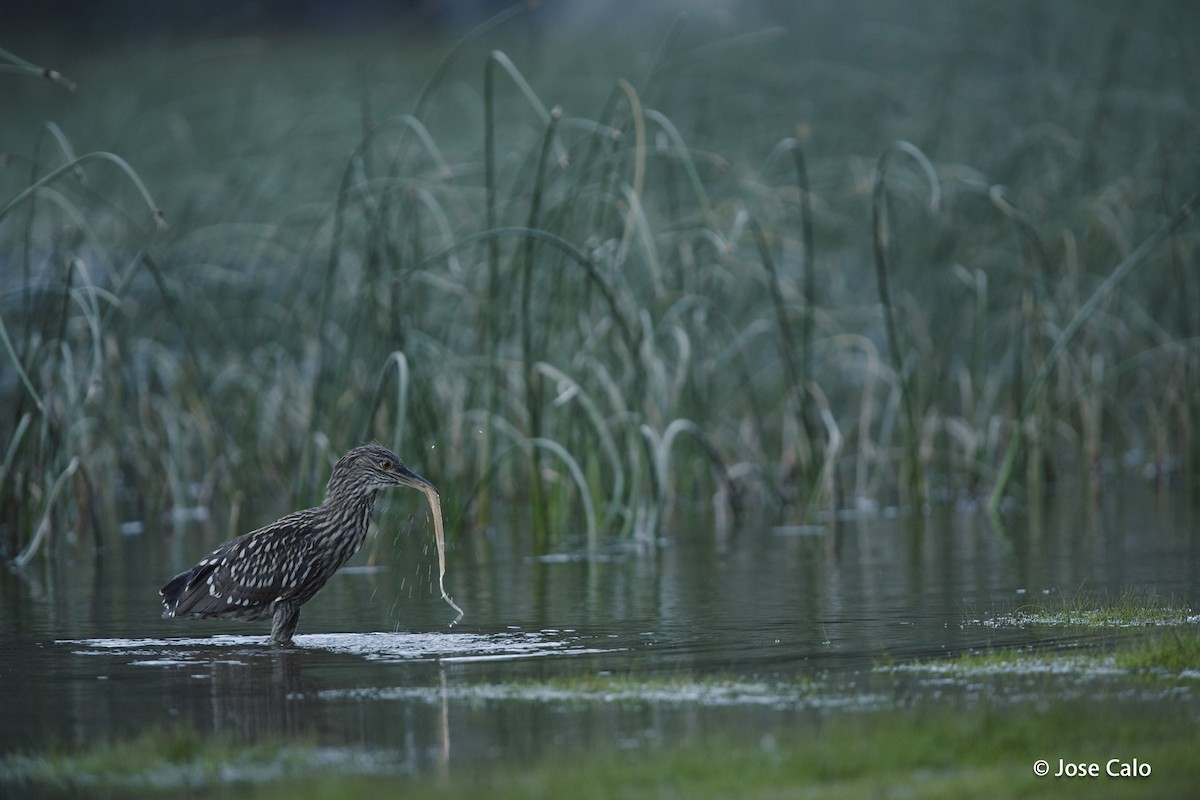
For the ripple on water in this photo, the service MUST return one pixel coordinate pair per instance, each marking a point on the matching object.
(383, 647)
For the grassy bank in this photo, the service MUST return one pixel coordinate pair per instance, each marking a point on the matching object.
(797, 265)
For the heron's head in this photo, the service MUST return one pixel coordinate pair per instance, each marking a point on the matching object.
(370, 468)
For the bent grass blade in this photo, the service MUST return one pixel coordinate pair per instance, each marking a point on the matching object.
(435, 508)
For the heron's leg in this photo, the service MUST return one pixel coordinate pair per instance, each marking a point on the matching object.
(287, 616)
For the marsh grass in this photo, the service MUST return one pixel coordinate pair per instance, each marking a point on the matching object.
(1129, 608)
(594, 312)
(1158, 645)
(1173, 651)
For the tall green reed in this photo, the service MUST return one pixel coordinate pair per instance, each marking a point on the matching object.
(912, 478)
(1182, 215)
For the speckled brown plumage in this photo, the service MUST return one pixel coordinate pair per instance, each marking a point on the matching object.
(272, 571)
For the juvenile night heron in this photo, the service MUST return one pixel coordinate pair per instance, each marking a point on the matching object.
(274, 570)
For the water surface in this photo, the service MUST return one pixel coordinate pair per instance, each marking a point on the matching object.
(741, 631)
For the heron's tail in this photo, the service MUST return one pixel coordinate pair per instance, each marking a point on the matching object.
(173, 592)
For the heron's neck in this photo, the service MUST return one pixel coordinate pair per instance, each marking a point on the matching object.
(348, 517)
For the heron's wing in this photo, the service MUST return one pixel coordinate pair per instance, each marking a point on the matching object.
(243, 577)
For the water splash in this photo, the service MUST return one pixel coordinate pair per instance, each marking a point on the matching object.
(382, 647)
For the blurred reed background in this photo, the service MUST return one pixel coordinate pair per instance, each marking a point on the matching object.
(589, 268)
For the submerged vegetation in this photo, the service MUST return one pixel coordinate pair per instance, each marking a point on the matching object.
(601, 283)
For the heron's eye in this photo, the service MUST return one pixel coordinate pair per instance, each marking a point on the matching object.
(386, 465)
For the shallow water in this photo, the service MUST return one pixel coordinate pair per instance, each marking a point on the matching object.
(739, 631)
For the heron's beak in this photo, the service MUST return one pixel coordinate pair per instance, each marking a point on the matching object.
(406, 477)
